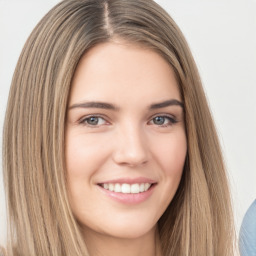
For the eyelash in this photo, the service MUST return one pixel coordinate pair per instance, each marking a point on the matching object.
(84, 121)
(171, 120)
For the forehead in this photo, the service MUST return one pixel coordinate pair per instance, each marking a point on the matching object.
(122, 72)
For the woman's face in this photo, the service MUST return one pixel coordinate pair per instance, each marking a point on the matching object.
(125, 140)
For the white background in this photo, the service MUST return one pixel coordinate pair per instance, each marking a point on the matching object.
(222, 37)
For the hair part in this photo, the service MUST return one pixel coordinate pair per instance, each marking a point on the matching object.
(199, 219)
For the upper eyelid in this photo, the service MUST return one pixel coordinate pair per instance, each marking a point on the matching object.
(163, 115)
(93, 115)
(82, 121)
(172, 119)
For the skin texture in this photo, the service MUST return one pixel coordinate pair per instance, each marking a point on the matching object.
(124, 142)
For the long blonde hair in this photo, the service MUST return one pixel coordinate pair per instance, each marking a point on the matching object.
(199, 219)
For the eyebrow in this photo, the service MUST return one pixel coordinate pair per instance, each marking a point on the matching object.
(94, 104)
(104, 105)
(167, 103)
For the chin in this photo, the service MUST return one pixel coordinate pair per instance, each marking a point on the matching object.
(133, 229)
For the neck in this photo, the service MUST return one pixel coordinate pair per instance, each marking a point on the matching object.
(100, 244)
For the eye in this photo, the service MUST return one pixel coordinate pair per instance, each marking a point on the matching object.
(93, 121)
(163, 121)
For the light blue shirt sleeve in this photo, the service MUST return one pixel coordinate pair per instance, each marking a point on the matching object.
(247, 237)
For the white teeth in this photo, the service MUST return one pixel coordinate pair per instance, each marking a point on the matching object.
(118, 188)
(127, 188)
(147, 185)
(135, 188)
(142, 187)
(111, 187)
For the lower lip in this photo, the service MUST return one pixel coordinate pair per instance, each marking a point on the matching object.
(129, 198)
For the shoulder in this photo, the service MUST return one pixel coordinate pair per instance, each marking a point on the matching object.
(250, 217)
(247, 237)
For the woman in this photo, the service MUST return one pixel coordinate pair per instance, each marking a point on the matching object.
(109, 144)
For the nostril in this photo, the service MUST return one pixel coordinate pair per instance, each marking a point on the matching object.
(131, 146)
(130, 157)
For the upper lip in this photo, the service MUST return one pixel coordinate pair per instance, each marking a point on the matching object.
(130, 180)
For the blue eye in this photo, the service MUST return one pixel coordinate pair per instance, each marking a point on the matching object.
(93, 121)
(159, 120)
(163, 121)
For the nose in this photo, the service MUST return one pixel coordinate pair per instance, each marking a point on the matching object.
(131, 147)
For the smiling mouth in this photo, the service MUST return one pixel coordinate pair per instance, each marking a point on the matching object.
(125, 188)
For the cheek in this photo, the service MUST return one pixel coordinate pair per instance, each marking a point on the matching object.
(82, 161)
(82, 154)
(171, 154)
